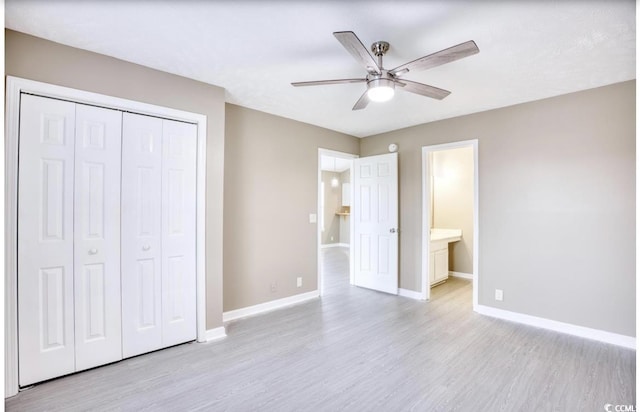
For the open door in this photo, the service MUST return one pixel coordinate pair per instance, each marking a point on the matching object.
(375, 214)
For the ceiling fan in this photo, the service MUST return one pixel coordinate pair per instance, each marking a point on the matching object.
(381, 83)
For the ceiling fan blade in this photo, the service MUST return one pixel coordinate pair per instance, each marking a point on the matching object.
(423, 89)
(323, 82)
(352, 43)
(436, 59)
(362, 102)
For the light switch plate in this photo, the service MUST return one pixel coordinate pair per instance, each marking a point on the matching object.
(313, 218)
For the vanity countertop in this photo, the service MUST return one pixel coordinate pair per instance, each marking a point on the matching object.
(447, 235)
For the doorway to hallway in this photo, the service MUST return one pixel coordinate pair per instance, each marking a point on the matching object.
(335, 225)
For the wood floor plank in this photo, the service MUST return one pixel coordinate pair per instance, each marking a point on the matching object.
(356, 349)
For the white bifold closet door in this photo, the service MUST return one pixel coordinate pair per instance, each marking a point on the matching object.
(179, 146)
(158, 233)
(68, 309)
(97, 236)
(46, 345)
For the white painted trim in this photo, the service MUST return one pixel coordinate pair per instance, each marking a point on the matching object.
(461, 275)
(412, 294)
(476, 223)
(342, 155)
(352, 230)
(426, 214)
(328, 245)
(201, 253)
(3, 197)
(426, 225)
(14, 87)
(568, 328)
(11, 239)
(212, 335)
(269, 306)
(335, 153)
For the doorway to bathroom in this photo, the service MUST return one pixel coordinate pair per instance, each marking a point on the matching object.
(335, 225)
(450, 216)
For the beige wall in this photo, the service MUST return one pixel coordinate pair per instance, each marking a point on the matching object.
(37, 59)
(271, 180)
(556, 204)
(332, 203)
(453, 202)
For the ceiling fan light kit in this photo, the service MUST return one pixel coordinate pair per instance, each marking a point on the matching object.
(380, 90)
(381, 83)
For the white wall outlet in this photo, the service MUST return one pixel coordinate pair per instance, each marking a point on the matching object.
(499, 294)
(332, 238)
(274, 287)
(313, 218)
(299, 282)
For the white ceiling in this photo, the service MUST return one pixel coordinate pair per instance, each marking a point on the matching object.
(529, 50)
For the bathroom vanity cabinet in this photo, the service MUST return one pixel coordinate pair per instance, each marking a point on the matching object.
(439, 253)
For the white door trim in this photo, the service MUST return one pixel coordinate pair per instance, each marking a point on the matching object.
(426, 213)
(14, 87)
(341, 155)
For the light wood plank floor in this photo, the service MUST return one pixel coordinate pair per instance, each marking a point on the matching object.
(354, 350)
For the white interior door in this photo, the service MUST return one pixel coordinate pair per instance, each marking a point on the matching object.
(141, 234)
(45, 239)
(97, 236)
(375, 214)
(178, 232)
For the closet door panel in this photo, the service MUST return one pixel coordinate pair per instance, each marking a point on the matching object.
(178, 232)
(97, 236)
(141, 234)
(45, 239)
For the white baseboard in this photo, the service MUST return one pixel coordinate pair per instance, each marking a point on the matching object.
(568, 328)
(215, 334)
(410, 294)
(334, 245)
(461, 275)
(269, 306)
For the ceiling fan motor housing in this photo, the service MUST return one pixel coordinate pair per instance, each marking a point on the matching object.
(379, 81)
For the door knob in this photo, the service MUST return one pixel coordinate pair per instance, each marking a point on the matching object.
(93, 251)
(146, 247)
(392, 230)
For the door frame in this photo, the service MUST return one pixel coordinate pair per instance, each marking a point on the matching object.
(426, 213)
(15, 86)
(341, 155)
